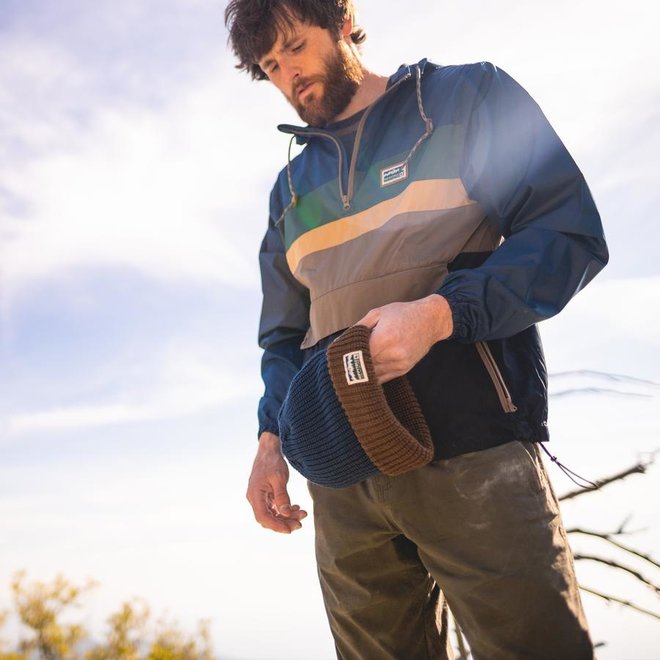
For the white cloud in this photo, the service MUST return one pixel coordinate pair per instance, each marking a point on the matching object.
(41, 83)
(139, 190)
(627, 307)
(184, 379)
(611, 326)
(115, 176)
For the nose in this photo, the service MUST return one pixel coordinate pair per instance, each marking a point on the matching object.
(291, 71)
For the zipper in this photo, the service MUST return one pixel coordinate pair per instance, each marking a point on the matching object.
(340, 151)
(360, 131)
(496, 376)
(346, 197)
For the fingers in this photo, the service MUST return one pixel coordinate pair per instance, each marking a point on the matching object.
(267, 493)
(403, 333)
(281, 501)
(286, 523)
(283, 510)
(294, 519)
(370, 319)
(389, 370)
(297, 513)
(385, 375)
(267, 515)
(275, 512)
(383, 370)
(388, 356)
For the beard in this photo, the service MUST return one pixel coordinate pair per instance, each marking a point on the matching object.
(339, 81)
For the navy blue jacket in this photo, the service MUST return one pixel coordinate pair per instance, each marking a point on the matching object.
(453, 182)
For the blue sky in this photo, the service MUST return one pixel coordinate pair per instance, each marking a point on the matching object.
(135, 167)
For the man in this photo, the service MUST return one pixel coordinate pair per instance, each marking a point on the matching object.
(438, 208)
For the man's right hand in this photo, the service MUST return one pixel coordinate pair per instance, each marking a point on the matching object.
(267, 493)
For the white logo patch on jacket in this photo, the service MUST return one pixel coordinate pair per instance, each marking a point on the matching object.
(393, 174)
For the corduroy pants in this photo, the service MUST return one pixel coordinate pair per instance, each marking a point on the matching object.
(482, 531)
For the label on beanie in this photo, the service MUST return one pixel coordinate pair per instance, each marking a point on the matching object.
(354, 367)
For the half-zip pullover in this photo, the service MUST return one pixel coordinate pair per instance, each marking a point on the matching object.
(455, 184)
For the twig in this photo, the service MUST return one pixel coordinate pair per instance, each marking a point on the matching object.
(609, 539)
(615, 564)
(640, 468)
(622, 526)
(614, 599)
(605, 375)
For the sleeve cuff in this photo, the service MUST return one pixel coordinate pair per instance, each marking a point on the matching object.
(461, 330)
(268, 428)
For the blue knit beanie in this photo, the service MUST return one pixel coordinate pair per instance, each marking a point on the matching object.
(338, 426)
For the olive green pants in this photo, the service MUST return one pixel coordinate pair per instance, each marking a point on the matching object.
(482, 530)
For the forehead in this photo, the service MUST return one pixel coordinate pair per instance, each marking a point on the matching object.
(287, 33)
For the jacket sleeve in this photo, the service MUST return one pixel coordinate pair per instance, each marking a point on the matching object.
(284, 322)
(516, 167)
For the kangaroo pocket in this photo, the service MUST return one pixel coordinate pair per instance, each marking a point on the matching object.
(341, 308)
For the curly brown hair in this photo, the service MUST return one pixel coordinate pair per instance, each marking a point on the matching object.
(254, 25)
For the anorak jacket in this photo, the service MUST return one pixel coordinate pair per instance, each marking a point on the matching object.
(455, 183)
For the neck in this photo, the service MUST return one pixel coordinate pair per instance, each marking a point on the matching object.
(371, 87)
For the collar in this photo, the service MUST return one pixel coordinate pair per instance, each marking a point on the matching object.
(304, 133)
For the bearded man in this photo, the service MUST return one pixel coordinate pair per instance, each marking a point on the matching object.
(438, 209)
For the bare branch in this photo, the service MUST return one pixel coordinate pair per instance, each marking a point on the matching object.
(615, 543)
(624, 524)
(620, 378)
(639, 468)
(627, 569)
(625, 603)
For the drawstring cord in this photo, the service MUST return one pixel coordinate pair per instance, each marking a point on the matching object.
(428, 129)
(573, 476)
(428, 123)
(294, 196)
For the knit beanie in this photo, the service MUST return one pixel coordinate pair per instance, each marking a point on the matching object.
(338, 426)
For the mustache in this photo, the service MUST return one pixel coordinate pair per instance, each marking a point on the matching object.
(299, 83)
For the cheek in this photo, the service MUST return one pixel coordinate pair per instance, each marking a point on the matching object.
(279, 85)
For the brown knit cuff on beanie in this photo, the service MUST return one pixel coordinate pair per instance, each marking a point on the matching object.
(387, 420)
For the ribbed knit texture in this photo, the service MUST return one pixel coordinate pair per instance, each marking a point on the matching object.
(315, 434)
(387, 420)
(337, 434)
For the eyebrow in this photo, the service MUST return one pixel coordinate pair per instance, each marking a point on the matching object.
(287, 43)
(285, 46)
(265, 64)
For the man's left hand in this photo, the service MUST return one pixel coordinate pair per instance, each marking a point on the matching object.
(403, 333)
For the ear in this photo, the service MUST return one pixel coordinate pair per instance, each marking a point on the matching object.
(347, 27)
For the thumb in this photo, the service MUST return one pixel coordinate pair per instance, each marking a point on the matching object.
(281, 501)
(370, 319)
